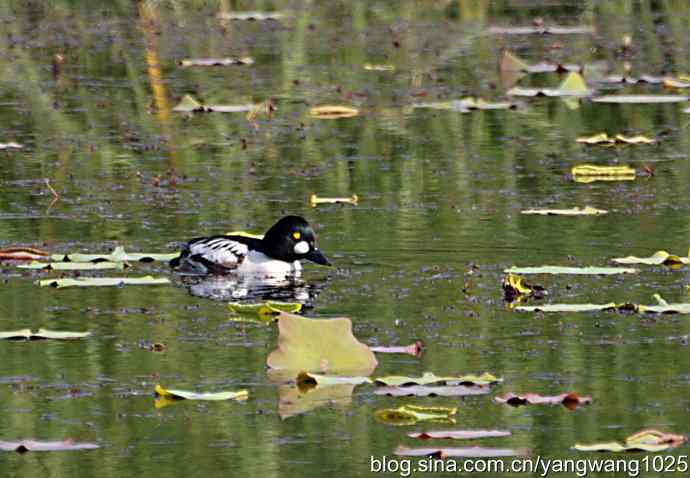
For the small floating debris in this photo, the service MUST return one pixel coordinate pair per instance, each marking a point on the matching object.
(41, 334)
(102, 281)
(188, 62)
(371, 67)
(575, 211)
(333, 112)
(314, 200)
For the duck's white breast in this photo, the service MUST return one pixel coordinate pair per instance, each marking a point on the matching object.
(258, 264)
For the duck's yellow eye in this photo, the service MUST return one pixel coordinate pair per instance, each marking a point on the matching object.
(297, 235)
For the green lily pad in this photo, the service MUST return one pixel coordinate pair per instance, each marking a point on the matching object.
(28, 334)
(72, 266)
(118, 255)
(571, 270)
(575, 211)
(662, 307)
(429, 378)
(102, 281)
(658, 258)
(320, 345)
(411, 414)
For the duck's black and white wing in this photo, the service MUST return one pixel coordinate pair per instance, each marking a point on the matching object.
(212, 255)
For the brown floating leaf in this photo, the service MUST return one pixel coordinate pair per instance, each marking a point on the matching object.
(432, 391)
(458, 434)
(320, 345)
(23, 446)
(569, 400)
(413, 349)
(468, 452)
(187, 62)
(655, 437)
(23, 254)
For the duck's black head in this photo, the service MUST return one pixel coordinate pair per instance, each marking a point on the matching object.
(292, 239)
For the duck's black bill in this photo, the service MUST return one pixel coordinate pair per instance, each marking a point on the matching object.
(317, 257)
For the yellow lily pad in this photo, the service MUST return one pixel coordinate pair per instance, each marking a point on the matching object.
(429, 378)
(214, 396)
(320, 345)
(73, 266)
(615, 447)
(603, 138)
(411, 414)
(314, 200)
(658, 258)
(333, 112)
(575, 211)
(102, 281)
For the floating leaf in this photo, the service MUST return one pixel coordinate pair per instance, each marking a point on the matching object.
(675, 83)
(468, 452)
(458, 434)
(307, 379)
(429, 378)
(333, 111)
(411, 414)
(467, 105)
(572, 85)
(605, 171)
(655, 437)
(215, 396)
(515, 286)
(10, 145)
(314, 200)
(252, 16)
(575, 211)
(632, 80)
(413, 349)
(512, 63)
(569, 400)
(24, 446)
(565, 307)
(187, 62)
(73, 266)
(320, 345)
(658, 258)
(22, 254)
(615, 447)
(102, 281)
(118, 255)
(266, 311)
(370, 67)
(28, 334)
(541, 29)
(189, 104)
(662, 307)
(640, 99)
(571, 270)
(603, 138)
(432, 391)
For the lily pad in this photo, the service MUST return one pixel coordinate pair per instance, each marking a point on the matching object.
(432, 391)
(429, 378)
(307, 379)
(541, 29)
(411, 414)
(189, 104)
(28, 334)
(24, 446)
(22, 254)
(215, 396)
(118, 255)
(412, 349)
(102, 281)
(265, 311)
(565, 307)
(458, 434)
(658, 258)
(603, 138)
(252, 16)
(467, 452)
(655, 437)
(615, 447)
(575, 211)
(333, 112)
(569, 400)
(573, 85)
(10, 145)
(515, 286)
(512, 63)
(314, 200)
(588, 170)
(187, 62)
(73, 266)
(571, 270)
(320, 345)
(662, 307)
(640, 99)
(467, 105)
(371, 67)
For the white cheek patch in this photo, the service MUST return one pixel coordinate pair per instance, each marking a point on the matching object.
(302, 247)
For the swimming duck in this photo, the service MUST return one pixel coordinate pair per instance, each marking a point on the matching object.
(276, 254)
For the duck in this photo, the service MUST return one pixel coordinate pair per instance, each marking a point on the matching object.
(276, 254)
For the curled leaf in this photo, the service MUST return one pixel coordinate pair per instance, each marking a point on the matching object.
(314, 200)
(432, 391)
(615, 447)
(429, 378)
(411, 414)
(118, 255)
(22, 254)
(658, 258)
(307, 379)
(603, 138)
(655, 437)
